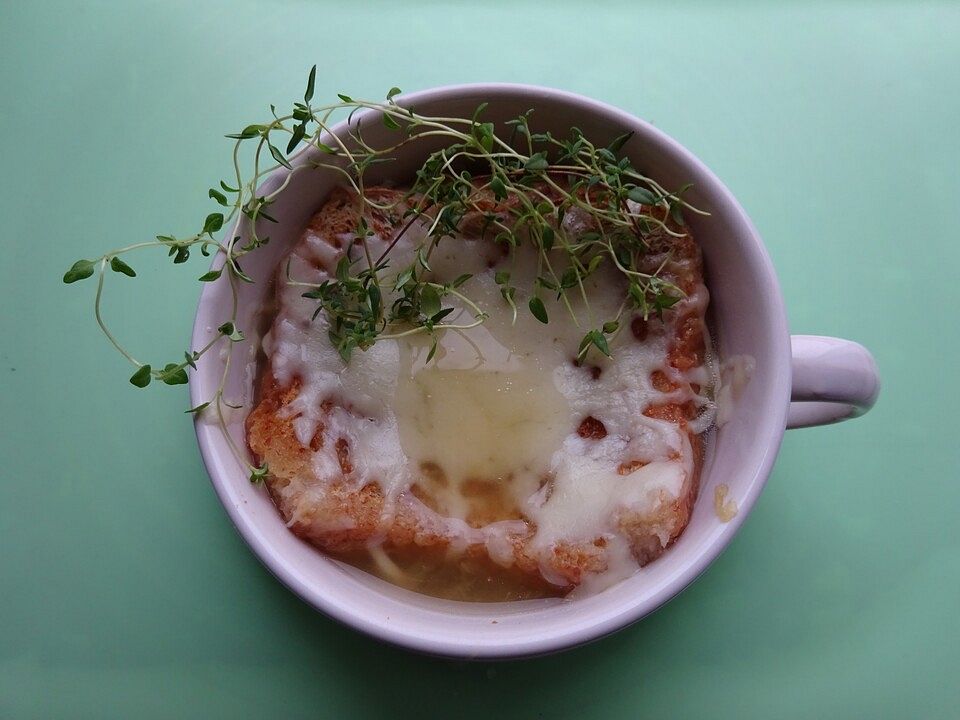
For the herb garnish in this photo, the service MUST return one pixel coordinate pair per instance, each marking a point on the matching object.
(534, 179)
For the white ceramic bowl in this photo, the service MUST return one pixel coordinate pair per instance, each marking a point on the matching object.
(831, 379)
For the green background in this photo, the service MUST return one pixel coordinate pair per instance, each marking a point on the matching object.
(125, 592)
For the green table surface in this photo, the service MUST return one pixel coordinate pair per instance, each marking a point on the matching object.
(124, 590)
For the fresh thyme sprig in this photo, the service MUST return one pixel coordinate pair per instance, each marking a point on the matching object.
(522, 187)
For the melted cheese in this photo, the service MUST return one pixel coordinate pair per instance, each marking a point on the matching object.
(499, 403)
(726, 510)
(733, 377)
(481, 425)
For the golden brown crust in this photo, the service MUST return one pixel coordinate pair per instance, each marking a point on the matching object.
(271, 436)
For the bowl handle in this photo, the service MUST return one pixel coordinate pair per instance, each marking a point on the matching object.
(833, 380)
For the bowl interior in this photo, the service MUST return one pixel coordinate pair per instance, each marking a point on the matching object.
(747, 318)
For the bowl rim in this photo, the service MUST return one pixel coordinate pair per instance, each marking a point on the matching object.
(446, 644)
